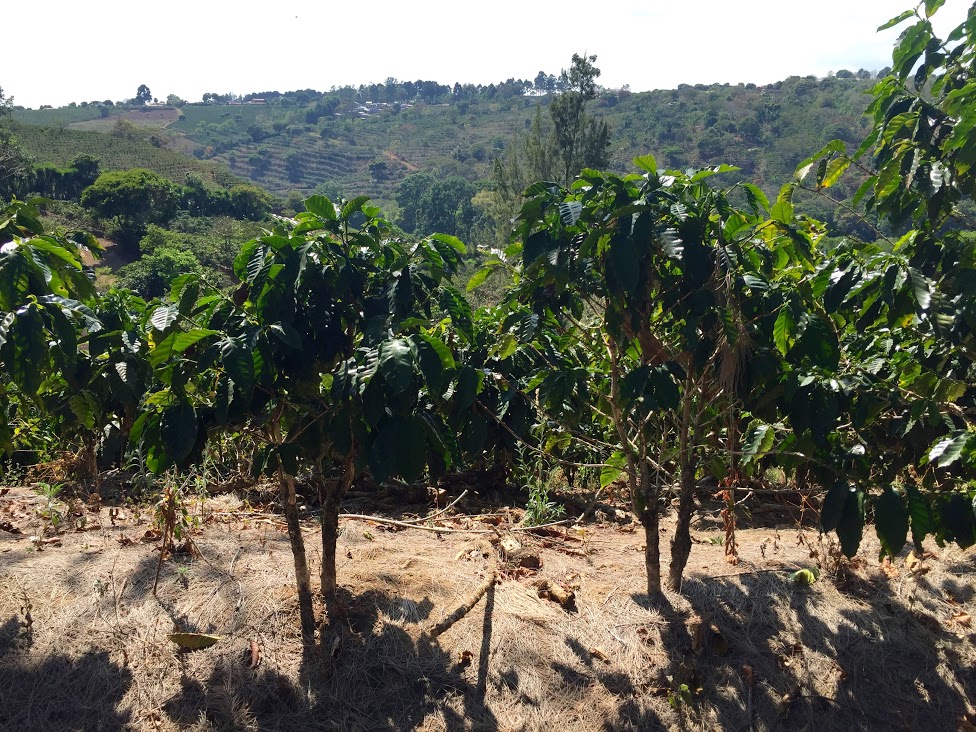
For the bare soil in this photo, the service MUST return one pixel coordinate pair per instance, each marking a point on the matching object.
(84, 642)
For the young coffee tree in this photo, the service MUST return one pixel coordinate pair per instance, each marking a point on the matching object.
(651, 297)
(329, 354)
(907, 305)
(46, 316)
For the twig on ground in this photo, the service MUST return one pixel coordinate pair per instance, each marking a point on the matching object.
(755, 571)
(464, 609)
(419, 527)
(446, 508)
(444, 529)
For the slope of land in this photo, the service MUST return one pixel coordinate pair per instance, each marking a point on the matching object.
(60, 145)
(867, 647)
(368, 148)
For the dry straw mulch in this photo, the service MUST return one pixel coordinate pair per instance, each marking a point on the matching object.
(742, 648)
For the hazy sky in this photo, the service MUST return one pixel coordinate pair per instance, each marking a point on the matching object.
(65, 50)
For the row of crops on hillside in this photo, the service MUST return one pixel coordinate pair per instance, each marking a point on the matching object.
(660, 326)
(59, 147)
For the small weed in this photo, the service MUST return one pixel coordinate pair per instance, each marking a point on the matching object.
(680, 697)
(175, 522)
(539, 509)
(51, 513)
(183, 576)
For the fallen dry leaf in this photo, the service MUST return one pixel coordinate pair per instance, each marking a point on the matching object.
(556, 592)
(748, 675)
(962, 618)
(889, 569)
(253, 655)
(915, 564)
(53, 541)
(193, 641)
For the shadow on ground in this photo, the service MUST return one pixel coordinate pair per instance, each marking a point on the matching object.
(367, 672)
(62, 693)
(757, 653)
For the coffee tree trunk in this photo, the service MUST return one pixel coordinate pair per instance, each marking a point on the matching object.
(303, 579)
(652, 550)
(648, 510)
(681, 543)
(331, 493)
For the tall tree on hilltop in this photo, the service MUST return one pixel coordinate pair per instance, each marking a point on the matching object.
(571, 141)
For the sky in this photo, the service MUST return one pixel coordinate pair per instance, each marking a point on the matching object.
(65, 50)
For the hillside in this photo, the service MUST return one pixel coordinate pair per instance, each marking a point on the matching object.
(115, 150)
(368, 147)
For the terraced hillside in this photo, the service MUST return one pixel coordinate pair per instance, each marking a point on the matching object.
(369, 148)
(58, 146)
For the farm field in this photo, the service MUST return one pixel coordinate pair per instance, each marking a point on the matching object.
(149, 117)
(867, 646)
(59, 147)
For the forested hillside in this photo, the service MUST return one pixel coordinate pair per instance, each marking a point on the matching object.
(343, 141)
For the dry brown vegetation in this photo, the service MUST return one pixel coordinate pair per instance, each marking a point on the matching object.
(84, 643)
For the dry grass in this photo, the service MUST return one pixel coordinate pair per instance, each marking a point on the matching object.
(859, 650)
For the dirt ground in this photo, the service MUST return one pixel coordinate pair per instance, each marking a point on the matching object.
(84, 642)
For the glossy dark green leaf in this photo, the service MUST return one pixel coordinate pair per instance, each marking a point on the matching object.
(646, 163)
(920, 511)
(353, 206)
(238, 362)
(623, 259)
(896, 20)
(397, 359)
(819, 343)
(479, 277)
(784, 330)
(758, 440)
(957, 520)
(833, 505)
(452, 241)
(460, 311)
(756, 198)
(468, 386)
(850, 527)
(321, 206)
(399, 449)
(569, 212)
(891, 522)
(164, 316)
(27, 346)
(615, 467)
(947, 451)
(178, 431)
(286, 333)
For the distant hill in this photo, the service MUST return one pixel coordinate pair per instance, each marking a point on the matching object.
(362, 147)
(133, 148)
